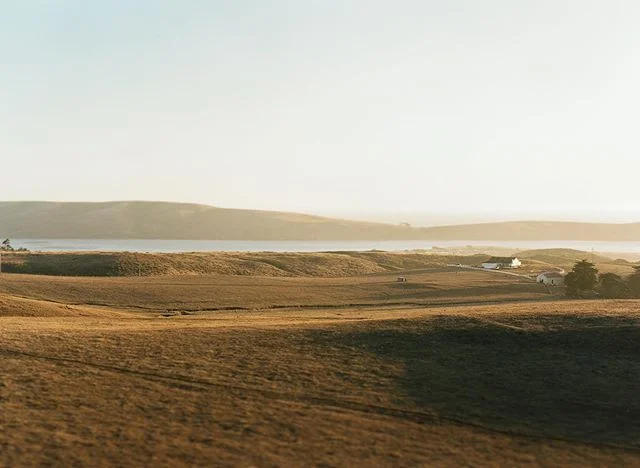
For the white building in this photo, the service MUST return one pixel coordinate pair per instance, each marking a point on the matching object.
(497, 263)
(550, 278)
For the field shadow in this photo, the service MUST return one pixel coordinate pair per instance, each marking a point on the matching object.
(569, 377)
(84, 264)
(425, 291)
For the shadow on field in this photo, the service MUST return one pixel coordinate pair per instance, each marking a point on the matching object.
(70, 264)
(425, 290)
(559, 376)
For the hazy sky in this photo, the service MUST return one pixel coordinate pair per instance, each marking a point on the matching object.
(521, 106)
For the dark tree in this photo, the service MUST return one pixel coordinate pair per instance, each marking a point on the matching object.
(582, 280)
(613, 286)
(634, 282)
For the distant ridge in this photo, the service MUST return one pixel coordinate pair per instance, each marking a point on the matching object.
(538, 230)
(166, 220)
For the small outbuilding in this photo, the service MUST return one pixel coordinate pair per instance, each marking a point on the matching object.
(497, 263)
(551, 278)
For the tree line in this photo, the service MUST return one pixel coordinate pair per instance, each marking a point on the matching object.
(6, 246)
(583, 281)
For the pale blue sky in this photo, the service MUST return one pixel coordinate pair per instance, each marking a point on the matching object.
(521, 107)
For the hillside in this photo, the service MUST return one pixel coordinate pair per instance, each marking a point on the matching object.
(326, 264)
(163, 220)
(501, 384)
(561, 256)
(538, 230)
(274, 264)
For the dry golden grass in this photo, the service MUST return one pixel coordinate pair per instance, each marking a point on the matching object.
(390, 384)
(197, 293)
(284, 265)
(320, 264)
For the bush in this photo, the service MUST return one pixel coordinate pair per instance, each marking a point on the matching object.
(613, 286)
(633, 283)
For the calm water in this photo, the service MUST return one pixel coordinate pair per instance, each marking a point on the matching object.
(149, 245)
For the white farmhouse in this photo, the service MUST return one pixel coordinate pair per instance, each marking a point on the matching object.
(497, 263)
(551, 278)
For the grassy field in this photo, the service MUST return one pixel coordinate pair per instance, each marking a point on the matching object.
(272, 264)
(259, 371)
(324, 264)
(216, 292)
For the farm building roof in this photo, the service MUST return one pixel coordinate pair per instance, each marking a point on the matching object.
(501, 260)
(552, 274)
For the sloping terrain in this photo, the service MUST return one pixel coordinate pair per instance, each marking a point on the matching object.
(561, 256)
(160, 220)
(11, 306)
(215, 292)
(163, 220)
(266, 264)
(288, 371)
(566, 258)
(547, 384)
(538, 230)
(324, 264)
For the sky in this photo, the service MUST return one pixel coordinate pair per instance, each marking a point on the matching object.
(521, 109)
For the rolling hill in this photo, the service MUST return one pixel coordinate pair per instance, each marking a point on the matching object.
(538, 230)
(163, 220)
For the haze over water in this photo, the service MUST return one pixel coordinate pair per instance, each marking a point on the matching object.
(141, 245)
